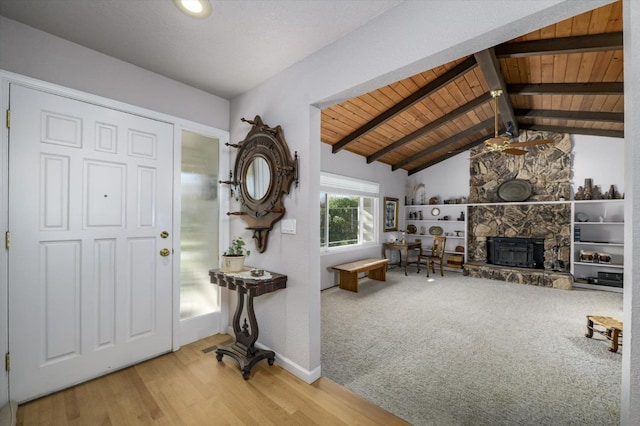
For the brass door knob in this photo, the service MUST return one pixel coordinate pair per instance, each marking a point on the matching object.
(164, 234)
(165, 252)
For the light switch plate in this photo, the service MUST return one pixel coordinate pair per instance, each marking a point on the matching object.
(288, 226)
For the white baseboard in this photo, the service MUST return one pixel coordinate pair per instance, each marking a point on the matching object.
(293, 368)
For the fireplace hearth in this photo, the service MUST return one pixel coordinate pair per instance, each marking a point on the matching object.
(516, 252)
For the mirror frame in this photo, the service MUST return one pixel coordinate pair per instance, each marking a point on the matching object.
(269, 144)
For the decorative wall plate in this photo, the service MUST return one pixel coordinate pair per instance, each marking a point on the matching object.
(515, 190)
(411, 229)
(435, 230)
(435, 211)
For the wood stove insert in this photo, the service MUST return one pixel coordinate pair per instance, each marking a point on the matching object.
(517, 252)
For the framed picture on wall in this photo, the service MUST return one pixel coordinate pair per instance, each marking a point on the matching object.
(390, 214)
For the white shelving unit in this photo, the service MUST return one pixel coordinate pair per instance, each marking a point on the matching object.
(433, 215)
(602, 232)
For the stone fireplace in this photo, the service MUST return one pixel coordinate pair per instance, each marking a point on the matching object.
(544, 217)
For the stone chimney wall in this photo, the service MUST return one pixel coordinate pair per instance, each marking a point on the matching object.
(544, 214)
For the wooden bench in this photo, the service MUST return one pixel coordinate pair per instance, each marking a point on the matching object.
(612, 329)
(377, 269)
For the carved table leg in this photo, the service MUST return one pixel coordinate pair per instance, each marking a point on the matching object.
(243, 350)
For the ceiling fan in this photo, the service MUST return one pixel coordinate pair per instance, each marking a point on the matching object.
(503, 143)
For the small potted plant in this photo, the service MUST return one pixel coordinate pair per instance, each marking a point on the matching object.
(233, 257)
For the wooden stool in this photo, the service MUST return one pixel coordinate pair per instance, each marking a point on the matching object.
(612, 329)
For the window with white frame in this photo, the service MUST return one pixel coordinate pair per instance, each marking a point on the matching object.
(348, 211)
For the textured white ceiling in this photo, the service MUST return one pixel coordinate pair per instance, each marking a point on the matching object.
(242, 44)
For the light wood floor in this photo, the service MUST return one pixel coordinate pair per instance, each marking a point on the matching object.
(189, 387)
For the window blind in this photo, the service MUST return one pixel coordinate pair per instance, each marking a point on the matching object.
(330, 182)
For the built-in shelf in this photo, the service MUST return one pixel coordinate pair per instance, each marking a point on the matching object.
(432, 218)
(598, 223)
(598, 243)
(601, 265)
(600, 230)
(583, 284)
(436, 221)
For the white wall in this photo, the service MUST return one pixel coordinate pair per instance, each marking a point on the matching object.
(391, 185)
(447, 179)
(36, 54)
(599, 158)
(407, 39)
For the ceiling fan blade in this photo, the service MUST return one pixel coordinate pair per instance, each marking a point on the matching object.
(532, 143)
(515, 151)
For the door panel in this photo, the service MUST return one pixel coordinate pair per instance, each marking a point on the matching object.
(105, 281)
(60, 294)
(90, 191)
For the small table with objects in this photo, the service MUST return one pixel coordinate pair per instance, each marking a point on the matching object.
(247, 286)
(402, 247)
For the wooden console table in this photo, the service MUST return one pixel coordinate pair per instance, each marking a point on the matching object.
(402, 248)
(243, 350)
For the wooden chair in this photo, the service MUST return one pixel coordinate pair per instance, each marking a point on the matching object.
(436, 256)
(413, 256)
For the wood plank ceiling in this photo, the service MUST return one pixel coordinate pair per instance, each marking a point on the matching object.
(564, 78)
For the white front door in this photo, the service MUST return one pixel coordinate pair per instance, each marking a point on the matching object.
(90, 194)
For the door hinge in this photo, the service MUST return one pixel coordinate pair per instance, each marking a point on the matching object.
(7, 362)
(7, 239)
(8, 119)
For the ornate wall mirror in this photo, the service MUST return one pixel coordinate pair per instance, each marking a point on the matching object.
(263, 172)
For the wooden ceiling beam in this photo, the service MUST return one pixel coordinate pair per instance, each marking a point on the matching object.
(556, 129)
(490, 67)
(447, 156)
(430, 127)
(608, 117)
(573, 130)
(615, 88)
(446, 78)
(486, 124)
(562, 45)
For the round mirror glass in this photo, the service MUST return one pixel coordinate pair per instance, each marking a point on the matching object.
(258, 178)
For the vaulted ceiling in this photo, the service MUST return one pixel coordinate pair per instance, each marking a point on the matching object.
(564, 78)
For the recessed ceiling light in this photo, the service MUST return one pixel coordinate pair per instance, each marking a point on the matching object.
(195, 8)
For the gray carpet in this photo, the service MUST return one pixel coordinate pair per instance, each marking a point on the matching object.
(469, 351)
